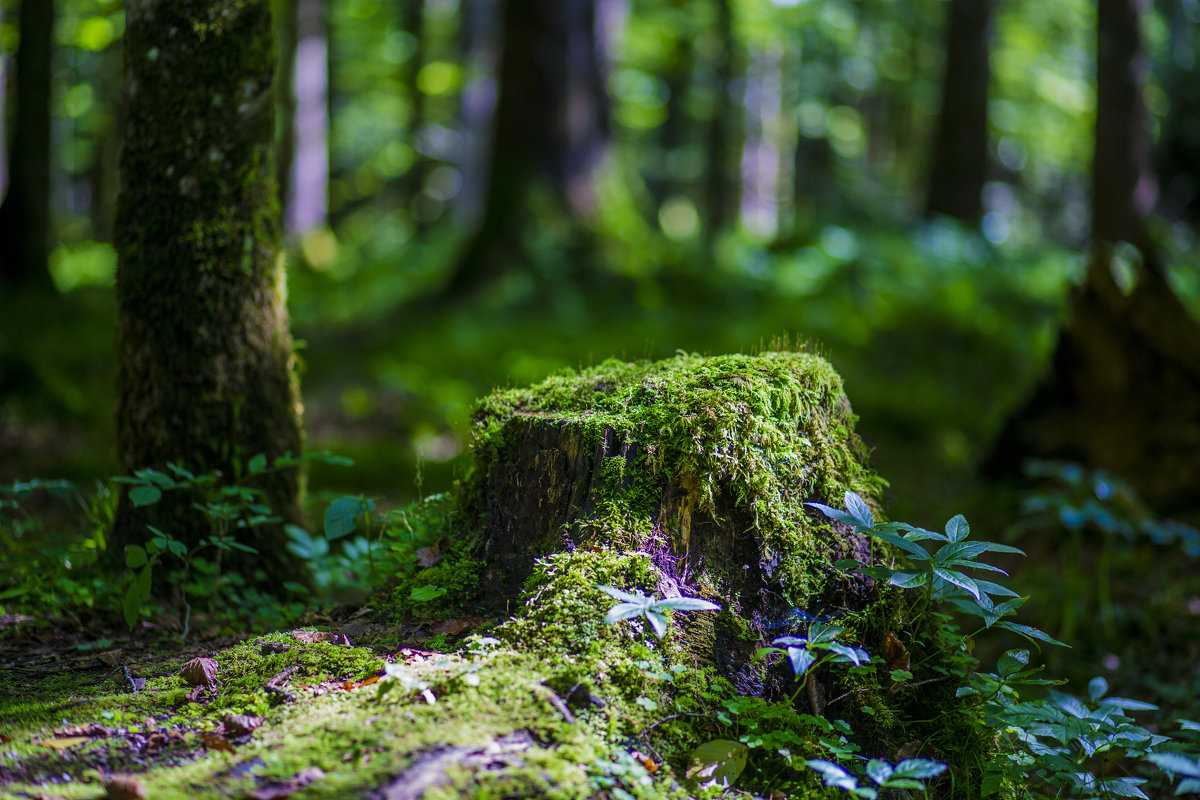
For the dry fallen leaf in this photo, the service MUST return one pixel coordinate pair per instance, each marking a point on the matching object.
(428, 556)
(358, 684)
(124, 787)
(91, 729)
(112, 657)
(240, 724)
(311, 637)
(64, 744)
(215, 741)
(455, 626)
(200, 672)
(5, 738)
(271, 648)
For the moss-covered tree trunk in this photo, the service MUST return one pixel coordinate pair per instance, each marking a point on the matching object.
(704, 466)
(206, 375)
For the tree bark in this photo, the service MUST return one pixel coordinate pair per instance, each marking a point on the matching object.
(25, 211)
(720, 187)
(549, 129)
(959, 162)
(1123, 392)
(206, 377)
(1178, 162)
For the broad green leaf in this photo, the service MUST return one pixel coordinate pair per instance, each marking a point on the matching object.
(835, 514)
(144, 495)
(855, 655)
(623, 611)
(1176, 763)
(957, 528)
(1097, 688)
(801, 660)
(717, 763)
(879, 770)
(912, 548)
(921, 768)
(833, 774)
(135, 556)
(686, 604)
(132, 605)
(859, 509)
(909, 578)
(423, 594)
(627, 597)
(1128, 705)
(1122, 787)
(143, 582)
(155, 477)
(341, 514)
(180, 471)
(258, 463)
(1012, 662)
(988, 587)
(959, 580)
(993, 547)
(1030, 633)
(992, 781)
(819, 632)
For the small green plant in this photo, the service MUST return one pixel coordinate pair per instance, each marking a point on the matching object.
(634, 605)
(908, 774)
(229, 508)
(1057, 745)
(810, 652)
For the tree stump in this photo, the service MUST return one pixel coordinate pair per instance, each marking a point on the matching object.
(702, 464)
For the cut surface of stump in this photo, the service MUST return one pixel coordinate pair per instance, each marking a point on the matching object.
(702, 464)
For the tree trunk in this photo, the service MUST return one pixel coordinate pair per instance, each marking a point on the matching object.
(1123, 392)
(549, 129)
(959, 162)
(206, 376)
(720, 187)
(1178, 162)
(712, 490)
(25, 211)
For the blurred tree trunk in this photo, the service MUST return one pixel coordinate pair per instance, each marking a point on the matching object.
(303, 161)
(25, 210)
(960, 158)
(414, 179)
(673, 131)
(1178, 162)
(548, 132)
(206, 376)
(720, 199)
(1123, 392)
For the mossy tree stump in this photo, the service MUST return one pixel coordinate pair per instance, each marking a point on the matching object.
(703, 464)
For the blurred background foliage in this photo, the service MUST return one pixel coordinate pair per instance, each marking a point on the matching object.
(763, 172)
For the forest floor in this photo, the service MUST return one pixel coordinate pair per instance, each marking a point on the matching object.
(95, 712)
